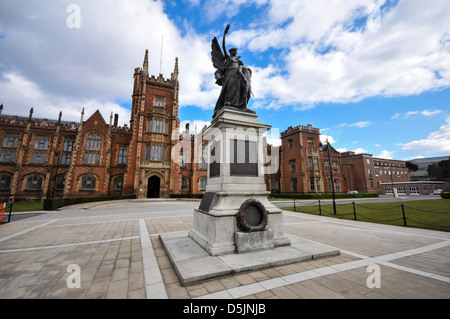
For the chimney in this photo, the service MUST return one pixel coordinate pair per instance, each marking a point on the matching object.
(116, 119)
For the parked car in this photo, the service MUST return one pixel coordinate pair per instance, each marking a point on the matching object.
(352, 192)
(437, 192)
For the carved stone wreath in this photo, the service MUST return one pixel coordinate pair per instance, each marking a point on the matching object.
(252, 216)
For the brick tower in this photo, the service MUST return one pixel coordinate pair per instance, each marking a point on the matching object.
(154, 116)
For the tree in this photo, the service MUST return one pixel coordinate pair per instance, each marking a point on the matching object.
(439, 171)
(411, 166)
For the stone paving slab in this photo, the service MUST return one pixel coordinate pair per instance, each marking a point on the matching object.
(193, 264)
(109, 247)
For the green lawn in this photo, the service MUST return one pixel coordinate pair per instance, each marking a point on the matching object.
(25, 207)
(429, 214)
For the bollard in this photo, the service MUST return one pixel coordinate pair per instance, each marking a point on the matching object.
(320, 209)
(354, 211)
(294, 206)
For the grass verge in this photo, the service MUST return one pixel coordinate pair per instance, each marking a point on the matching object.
(427, 214)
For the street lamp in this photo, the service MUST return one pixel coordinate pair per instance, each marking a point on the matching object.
(56, 173)
(331, 175)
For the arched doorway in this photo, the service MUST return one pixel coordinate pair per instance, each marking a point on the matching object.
(153, 187)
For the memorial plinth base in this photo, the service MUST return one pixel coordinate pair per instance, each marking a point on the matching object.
(193, 264)
(215, 230)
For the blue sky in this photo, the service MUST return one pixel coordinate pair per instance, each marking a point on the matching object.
(373, 75)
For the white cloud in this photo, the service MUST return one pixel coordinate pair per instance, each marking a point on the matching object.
(386, 154)
(324, 138)
(325, 58)
(411, 113)
(195, 126)
(431, 113)
(48, 106)
(360, 124)
(65, 68)
(436, 142)
(360, 150)
(321, 55)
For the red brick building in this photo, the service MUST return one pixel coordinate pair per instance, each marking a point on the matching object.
(42, 158)
(306, 166)
(364, 173)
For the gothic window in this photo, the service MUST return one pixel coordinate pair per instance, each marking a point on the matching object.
(273, 185)
(34, 182)
(291, 143)
(202, 184)
(311, 184)
(337, 185)
(5, 182)
(88, 182)
(184, 183)
(93, 149)
(327, 166)
(60, 182)
(122, 155)
(292, 165)
(182, 158)
(293, 185)
(335, 166)
(40, 150)
(157, 126)
(316, 163)
(9, 148)
(159, 102)
(204, 160)
(67, 150)
(155, 152)
(310, 163)
(118, 182)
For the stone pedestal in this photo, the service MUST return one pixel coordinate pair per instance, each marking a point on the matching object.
(235, 175)
(235, 229)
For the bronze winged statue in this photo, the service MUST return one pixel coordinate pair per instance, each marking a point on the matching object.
(232, 76)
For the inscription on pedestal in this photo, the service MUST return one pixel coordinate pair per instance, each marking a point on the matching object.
(243, 158)
(207, 202)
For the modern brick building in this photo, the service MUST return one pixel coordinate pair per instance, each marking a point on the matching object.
(364, 173)
(410, 187)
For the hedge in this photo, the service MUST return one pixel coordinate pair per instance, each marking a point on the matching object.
(324, 196)
(55, 203)
(200, 196)
(445, 195)
(292, 196)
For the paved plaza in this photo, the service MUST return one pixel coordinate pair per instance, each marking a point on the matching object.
(117, 247)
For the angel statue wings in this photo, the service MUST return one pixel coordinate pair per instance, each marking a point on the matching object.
(232, 76)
